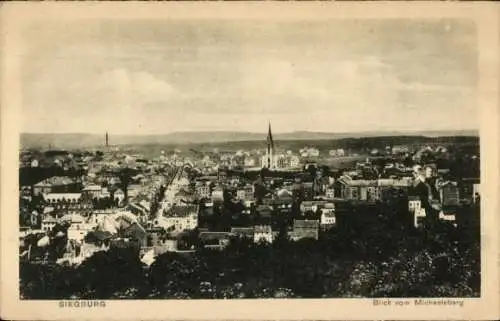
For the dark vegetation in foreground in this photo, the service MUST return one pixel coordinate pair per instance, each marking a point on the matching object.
(444, 262)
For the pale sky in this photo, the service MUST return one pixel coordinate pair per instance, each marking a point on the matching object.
(153, 77)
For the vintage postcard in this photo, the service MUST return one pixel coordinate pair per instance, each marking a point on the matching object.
(250, 161)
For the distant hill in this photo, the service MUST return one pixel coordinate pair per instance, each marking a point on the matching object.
(82, 140)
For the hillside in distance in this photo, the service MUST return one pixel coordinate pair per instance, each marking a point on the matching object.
(82, 140)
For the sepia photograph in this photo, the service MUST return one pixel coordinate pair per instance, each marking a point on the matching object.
(218, 158)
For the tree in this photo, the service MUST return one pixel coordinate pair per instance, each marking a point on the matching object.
(312, 170)
(111, 273)
(125, 175)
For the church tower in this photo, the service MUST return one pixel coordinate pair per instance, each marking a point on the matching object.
(270, 149)
(107, 140)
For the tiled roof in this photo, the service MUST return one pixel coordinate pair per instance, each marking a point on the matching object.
(73, 218)
(303, 234)
(447, 183)
(49, 219)
(361, 182)
(305, 224)
(312, 203)
(262, 229)
(100, 235)
(134, 231)
(206, 236)
(242, 230)
(450, 209)
(283, 193)
(183, 192)
(55, 180)
(181, 210)
(328, 214)
(264, 210)
(136, 206)
(92, 188)
(134, 187)
(60, 196)
(329, 206)
(385, 182)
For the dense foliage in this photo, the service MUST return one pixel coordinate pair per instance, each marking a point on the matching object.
(444, 262)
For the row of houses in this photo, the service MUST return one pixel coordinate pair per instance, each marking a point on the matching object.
(301, 229)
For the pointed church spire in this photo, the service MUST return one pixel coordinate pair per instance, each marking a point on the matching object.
(270, 148)
(270, 137)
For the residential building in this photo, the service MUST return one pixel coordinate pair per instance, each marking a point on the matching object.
(183, 197)
(283, 201)
(448, 214)
(57, 184)
(218, 194)
(67, 202)
(311, 206)
(179, 217)
(243, 232)
(399, 149)
(476, 192)
(214, 240)
(449, 193)
(48, 223)
(362, 190)
(282, 161)
(119, 196)
(330, 192)
(419, 215)
(34, 218)
(138, 209)
(92, 191)
(264, 213)
(222, 175)
(245, 193)
(414, 203)
(304, 229)
(339, 152)
(135, 233)
(250, 161)
(203, 189)
(294, 161)
(133, 190)
(78, 227)
(309, 152)
(263, 233)
(327, 219)
(308, 190)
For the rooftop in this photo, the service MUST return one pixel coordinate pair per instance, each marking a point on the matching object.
(362, 182)
(55, 180)
(134, 231)
(73, 218)
(61, 196)
(181, 210)
(262, 229)
(307, 224)
(206, 236)
(242, 230)
(92, 188)
(183, 193)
